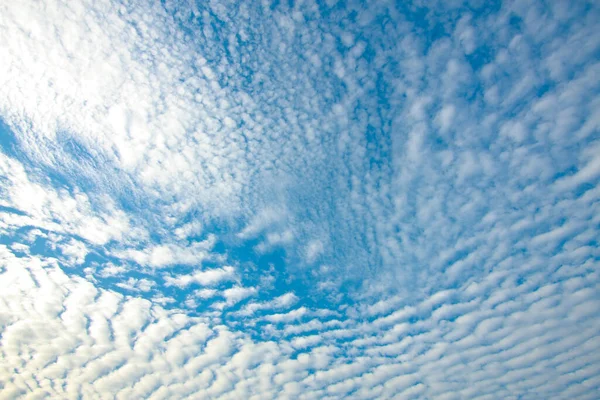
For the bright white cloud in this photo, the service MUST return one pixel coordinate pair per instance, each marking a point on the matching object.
(170, 254)
(75, 250)
(234, 295)
(284, 301)
(205, 278)
(58, 210)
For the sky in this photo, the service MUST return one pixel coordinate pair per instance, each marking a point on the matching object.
(299, 199)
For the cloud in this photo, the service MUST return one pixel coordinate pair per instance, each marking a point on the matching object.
(112, 270)
(234, 295)
(35, 204)
(522, 337)
(168, 254)
(75, 250)
(284, 301)
(356, 201)
(289, 316)
(137, 285)
(206, 293)
(191, 138)
(205, 278)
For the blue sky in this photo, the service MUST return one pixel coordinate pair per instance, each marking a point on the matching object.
(301, 200)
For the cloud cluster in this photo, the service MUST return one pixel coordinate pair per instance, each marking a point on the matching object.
(299, 200)
(29, 203)
(534, 337)
(354, 144)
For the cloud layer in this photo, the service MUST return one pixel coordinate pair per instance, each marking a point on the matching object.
(63, 337)
(299, 199)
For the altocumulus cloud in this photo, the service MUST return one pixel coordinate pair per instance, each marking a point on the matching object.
(304, 200)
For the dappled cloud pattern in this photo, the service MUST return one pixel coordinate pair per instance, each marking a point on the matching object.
(303, 200)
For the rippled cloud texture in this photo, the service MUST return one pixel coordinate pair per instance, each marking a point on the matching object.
(301, 200)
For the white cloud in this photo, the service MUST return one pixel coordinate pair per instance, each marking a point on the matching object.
(289, 316)
(191, 228)
(314, 249)
(179, 132)
(110, 269)
(266, 218)
(284, 301)
(137, 285)
(234, 295)
(205, 278)
(169, 254)
(60, 211)
(97, 341)
(75, 250)
(206, 293)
